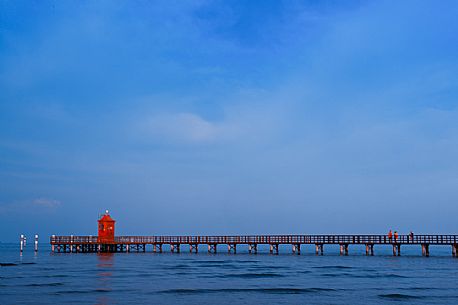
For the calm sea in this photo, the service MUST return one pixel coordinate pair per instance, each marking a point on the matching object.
(147, 278)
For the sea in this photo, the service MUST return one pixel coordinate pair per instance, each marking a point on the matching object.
(222, 278)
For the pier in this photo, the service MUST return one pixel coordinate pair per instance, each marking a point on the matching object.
(106, 241)
(177, 244)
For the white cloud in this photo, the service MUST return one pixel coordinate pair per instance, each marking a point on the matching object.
(46, 203)
(183, 126)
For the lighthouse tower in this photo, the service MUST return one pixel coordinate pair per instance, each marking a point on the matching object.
(106, 229)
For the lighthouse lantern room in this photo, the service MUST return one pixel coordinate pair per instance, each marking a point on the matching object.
(106, 228)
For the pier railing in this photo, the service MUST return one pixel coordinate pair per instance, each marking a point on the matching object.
(265, 239)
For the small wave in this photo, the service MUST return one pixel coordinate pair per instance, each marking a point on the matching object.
(7, 264)
(333, 267)
(248, 290)
(28, 263)
(363, 275)
(253, 275)
(182, 266)
(267, 267)
(422, 288)
(81, 291)
(215, 262)
(51, 276)
(399, 296)
(393, 275)
(44, 284)
(337, 274)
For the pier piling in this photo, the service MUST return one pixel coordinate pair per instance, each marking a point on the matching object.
(253, 248)
(425, 250)
(21, 243)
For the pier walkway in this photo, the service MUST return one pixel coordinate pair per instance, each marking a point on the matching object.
(85, 244)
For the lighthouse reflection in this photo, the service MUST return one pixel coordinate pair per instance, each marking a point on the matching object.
(105, 267)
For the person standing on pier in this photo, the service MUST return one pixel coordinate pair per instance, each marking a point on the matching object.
(411, 236)
(396, 236)
(390, 235)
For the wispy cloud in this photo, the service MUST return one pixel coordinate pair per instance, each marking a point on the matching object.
(186, 127)
(46, 203)
(37, 205)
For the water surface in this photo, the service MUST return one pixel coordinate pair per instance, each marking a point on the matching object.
(148, 278)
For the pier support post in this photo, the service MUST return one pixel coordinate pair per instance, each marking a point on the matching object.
(193, 248)
(253, 248)
(232, 248)
(157, 248)
(370, 249)
(297, 249)
(396, 249)
(21, 243)
(425, 250)
(273, 248)
(343, 249)
(175, 248)
(319, 249)
(36, 243)
(454, 250)
(212, 248)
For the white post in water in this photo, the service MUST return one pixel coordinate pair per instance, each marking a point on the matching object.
(36, 242)
(22, 242)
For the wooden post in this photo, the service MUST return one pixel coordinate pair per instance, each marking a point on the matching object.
(399, 249)
(343, 249)
(212, 248)
(193, 248)
(175, 248)
(36, 243)
(370, 249)
(394, 249)
(157, 248)
(425, 250)
(297, 249)
(273, 248)
(454, 250)
(253, 248)
(232, 247)
(319, 249)
(21, 243)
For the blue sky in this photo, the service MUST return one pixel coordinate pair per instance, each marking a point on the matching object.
(228, 117)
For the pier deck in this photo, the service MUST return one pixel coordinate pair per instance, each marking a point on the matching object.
(82, 244)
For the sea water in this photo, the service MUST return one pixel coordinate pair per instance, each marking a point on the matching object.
(222, 278)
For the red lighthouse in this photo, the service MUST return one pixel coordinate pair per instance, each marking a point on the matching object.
(106, 229)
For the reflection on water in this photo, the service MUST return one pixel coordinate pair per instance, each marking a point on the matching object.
(104, 277)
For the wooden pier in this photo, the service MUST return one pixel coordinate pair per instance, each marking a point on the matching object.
(91, 244)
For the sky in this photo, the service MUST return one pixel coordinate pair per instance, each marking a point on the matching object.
(228, 117)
